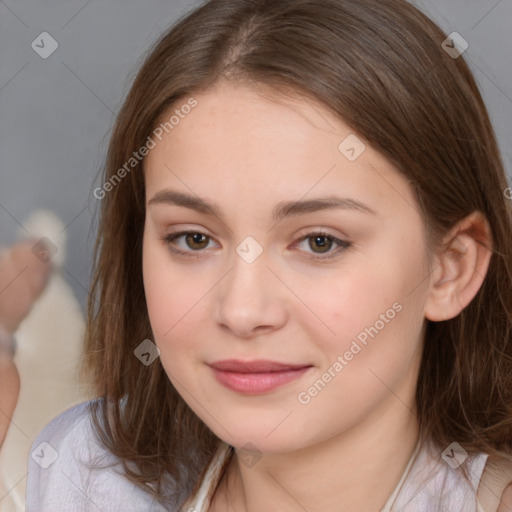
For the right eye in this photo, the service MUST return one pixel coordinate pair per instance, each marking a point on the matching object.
(195, 240)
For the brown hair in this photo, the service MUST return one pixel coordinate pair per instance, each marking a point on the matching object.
(380, 66)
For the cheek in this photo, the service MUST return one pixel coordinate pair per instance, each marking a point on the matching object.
(352, 303)
(373, 311)
(164, 289)
(173, 298)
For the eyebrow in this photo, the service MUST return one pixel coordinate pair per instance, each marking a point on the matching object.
(281, 210)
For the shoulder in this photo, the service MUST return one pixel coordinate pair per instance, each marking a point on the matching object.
(69, 470)
(63, 439)
(436, 482)
(67, 425)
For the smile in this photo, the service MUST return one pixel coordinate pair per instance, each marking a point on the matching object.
(255, 377)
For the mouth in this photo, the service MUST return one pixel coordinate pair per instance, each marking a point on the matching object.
(255, 377)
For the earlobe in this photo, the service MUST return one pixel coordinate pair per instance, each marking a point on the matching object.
(460, 268)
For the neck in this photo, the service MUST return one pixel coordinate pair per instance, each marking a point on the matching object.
(334, 474)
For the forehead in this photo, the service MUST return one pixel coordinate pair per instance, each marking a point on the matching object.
(241, 140)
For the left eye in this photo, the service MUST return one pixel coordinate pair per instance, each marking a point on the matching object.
(324, 242)
(198, 241)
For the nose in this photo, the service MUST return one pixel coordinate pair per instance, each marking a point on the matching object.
(250, 300)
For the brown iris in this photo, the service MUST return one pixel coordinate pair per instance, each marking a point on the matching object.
(323, 242)
(196, 238)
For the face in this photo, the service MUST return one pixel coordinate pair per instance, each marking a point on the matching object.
(309, 254)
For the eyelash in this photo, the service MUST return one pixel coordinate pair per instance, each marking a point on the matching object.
(168, 239)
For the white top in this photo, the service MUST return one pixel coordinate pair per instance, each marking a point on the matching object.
(59, 479)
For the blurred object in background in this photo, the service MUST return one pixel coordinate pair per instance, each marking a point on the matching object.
(49, 344)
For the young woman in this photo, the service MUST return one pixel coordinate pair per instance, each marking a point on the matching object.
(302, 296)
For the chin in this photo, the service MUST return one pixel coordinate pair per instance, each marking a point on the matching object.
(253, 435)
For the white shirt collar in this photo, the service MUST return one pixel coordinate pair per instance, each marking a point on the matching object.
(201, 500)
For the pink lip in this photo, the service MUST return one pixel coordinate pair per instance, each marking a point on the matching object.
(253, 377)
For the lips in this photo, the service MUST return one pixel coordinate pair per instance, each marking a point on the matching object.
(260, 366)
(256, 377)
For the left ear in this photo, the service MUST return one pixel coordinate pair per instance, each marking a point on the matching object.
(460, 267)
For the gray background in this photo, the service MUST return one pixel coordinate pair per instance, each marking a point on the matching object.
(56, 114)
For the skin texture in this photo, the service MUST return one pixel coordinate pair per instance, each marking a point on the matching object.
(506, 500)
(23, 277)
(247, 151)
(10, 389)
